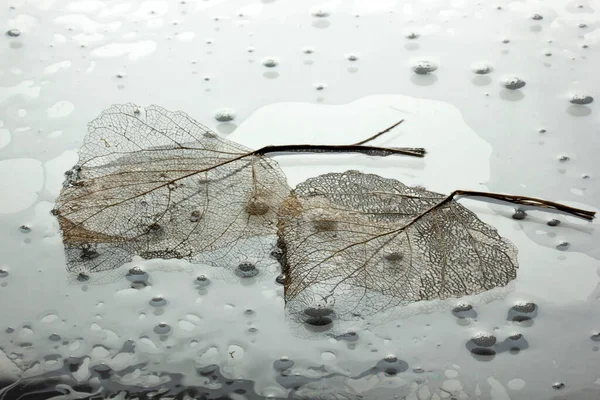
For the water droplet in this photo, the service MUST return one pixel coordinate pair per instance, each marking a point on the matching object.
(513, 83)
(505, 41)
(484, 340)
(558, 385)
(390, 358)
(282, 364)
(595, 337)
(537, 17)
(519, 214)
(308, 50)
(524, 307)
(13, 33)
(158, 301)
(318, 316)
(482, 68)
(280, 279)
(3, 273)
(54, 337)
(82, 277)
(319, 87)
(424, 67)
(162, 328)
(581, 99)
(412, 35)
(246, 270)
(583, 26)
(225, 115)
(563, 158)
(202, 281)
(136, 274)
(320, 13)
(352, 57)
(25, 229)
(541, 130)
(553, 222)
(563, 246)
(270, 62)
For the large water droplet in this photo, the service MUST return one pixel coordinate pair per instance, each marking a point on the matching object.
(424, 67)
(513, 83)
(581, 99)
(225, 115)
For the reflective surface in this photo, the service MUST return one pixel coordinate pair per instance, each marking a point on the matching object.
(502, 95)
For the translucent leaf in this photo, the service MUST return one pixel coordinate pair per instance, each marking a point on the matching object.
(357, 244)
(157, 184)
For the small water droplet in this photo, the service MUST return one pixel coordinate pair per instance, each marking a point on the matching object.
(558, 385)
(390, 358)
(424, 67)
(162, 328)
(270, 62)
(158, 301)
(513, 83)
(319, 87)
(537, 17)
(519, 214)
(54, 337)
(25, 229)
(282, 364)
(581, 99)
(352, 57)
(320, 13)
(541, 130)
(583, 26)
(482, 69)
(246, 270)
(225, 115)
(505, 41)
(13, 33)
(563, 158)
(553, 222)
(82, 277)
(595, 337)
(136, 274)
(412, 35)
(563, 246)
(280, 279)
(202, 281)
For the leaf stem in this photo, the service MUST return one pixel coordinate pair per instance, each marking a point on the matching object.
(527, 201)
